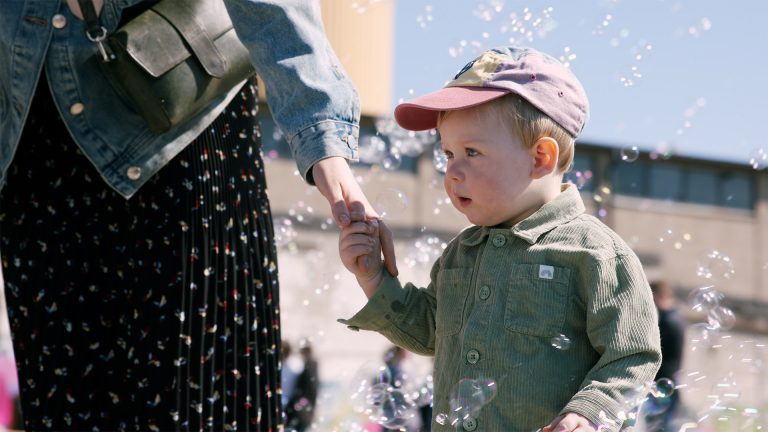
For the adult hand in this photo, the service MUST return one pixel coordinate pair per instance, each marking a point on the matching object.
(335, 181)
(570, 422)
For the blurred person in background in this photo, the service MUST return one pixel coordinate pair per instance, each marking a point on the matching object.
(661, 411)
(290, 368)
(300, 410)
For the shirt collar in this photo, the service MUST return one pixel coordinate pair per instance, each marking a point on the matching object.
(564, 208)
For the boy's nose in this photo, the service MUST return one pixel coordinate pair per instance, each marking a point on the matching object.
(454, 173)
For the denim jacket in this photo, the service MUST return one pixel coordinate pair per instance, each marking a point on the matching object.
(310, 97)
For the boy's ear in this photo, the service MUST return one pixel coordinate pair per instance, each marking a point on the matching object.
(545, 153)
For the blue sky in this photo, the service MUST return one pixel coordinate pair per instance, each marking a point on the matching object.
(698, 88)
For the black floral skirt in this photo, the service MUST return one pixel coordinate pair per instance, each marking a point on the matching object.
(155, 313)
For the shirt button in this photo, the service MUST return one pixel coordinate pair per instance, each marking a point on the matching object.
(59, 21)
(76, 109)
(473, 356)
(469, 424)
(485, 292)
(499, 240)
(133, 173)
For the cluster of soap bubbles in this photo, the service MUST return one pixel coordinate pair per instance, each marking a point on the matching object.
(704, 25)
(715, 266)
(391, 142)
(425, 19)
(520, 27)
(758, 159)
(707, 300)
(567, 57)
(673, 239)
(689, 114)
(467, 399)
(639, 51)
(601, 197)
(578, 178)
(653, 397)
(487, 11)
(527, 24)
(362, 7)
(385, 399)
(601, 28)
(424, 251)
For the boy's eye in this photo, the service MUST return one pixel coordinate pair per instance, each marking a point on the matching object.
(472, 152)
(448, 154)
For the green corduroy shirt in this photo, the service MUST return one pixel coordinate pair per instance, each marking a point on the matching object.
(498, 296)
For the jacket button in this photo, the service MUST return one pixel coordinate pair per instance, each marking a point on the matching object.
(499, 240)
(469, 424)
(485, 292)
(133, 173)
(76, 108)
(473, 356)
(59, 21)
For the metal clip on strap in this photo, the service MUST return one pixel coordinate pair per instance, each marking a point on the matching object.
(95, 32)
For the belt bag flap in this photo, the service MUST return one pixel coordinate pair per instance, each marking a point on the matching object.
(171, 31)
(176, 59)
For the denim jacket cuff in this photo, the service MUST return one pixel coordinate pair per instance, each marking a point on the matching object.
(377, 314)
(323, 140)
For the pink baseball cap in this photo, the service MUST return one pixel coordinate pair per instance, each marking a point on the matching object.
(537, 77)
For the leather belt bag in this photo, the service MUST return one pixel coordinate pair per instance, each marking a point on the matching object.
(172, 60)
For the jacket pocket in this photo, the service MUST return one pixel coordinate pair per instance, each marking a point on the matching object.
(453, 288)
(537, 299)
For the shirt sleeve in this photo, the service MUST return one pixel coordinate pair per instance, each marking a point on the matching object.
(622, 327)
(404, 315)
(309, 94)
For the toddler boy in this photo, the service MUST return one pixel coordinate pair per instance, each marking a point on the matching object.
(533, 268)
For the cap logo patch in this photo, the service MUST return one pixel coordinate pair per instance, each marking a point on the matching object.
(546, 272)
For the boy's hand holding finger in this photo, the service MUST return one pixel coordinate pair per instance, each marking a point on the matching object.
(570, 422)
(360, 251)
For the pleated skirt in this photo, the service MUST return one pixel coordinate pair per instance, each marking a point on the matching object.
(156, 313)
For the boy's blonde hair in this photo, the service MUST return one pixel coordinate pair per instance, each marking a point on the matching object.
(527, 123)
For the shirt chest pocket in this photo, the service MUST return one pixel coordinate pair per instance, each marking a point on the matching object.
(453, 287)
(537, 299)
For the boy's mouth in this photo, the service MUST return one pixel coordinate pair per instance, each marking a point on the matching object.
(463, 202)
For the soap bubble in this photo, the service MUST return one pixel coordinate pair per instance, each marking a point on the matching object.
(705, 298)
(715, 265)
(390, 202)
(438, 158)
(758, 159)
(721, 318)
(630, 154)
(561, 342)
(469, 396)
(372, 149)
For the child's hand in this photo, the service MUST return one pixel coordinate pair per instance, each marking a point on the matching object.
(360, 251)
(570, 422)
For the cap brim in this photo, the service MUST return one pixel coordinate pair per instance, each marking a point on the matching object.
(421, 113)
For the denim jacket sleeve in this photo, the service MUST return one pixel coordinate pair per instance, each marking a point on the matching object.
(311, 98)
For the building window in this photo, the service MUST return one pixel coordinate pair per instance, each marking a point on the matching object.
(701, 186)
(679, 182)
(737, 190)
(629, 178)
(665, 182)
